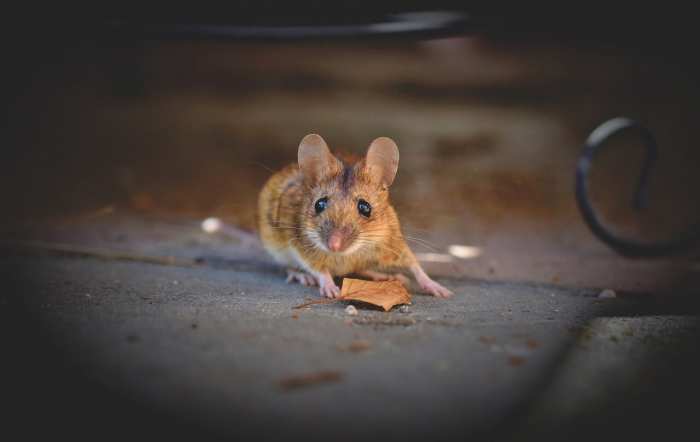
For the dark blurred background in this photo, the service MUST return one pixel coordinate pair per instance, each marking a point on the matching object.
(137, 110)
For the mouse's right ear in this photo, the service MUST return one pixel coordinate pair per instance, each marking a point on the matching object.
(382, 161)
(315, 159)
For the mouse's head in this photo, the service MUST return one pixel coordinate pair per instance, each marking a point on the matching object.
(346, 203)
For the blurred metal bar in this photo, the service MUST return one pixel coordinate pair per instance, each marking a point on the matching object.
(429, 24)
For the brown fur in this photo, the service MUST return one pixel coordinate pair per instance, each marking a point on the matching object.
(287, 219)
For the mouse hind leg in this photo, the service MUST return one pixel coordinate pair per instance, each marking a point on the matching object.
(308, 276)
(406, 259)
(301, 277)
(287, 258)
(380, 276)
(427, 284)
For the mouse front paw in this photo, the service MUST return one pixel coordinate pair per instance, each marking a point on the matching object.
(330, 290)
(327, 287)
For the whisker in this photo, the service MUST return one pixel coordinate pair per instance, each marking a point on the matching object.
(383, 246)
(423, 243)
(415, 229)
(415, 238)
(256, 163)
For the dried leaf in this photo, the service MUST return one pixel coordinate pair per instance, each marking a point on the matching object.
(385, 294)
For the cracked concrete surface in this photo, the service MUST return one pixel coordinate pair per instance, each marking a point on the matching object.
(211, 347)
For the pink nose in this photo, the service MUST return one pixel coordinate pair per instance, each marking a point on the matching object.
(335, 241)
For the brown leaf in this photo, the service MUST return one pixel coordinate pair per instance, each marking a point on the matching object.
(385, 294)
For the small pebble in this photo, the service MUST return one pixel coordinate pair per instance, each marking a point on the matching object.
(607, 294)
(351, 310)
(404, 309)
(211, 225)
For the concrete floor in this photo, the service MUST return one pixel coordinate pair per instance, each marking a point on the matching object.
(125, 349)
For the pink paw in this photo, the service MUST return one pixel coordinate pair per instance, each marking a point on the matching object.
(434, 288)
(327, 286)
(304, 279)
(329, 290)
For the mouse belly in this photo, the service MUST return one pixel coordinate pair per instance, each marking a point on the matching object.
(335, 265)
(287, 256)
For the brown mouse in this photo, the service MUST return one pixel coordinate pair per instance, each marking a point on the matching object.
(327, 216)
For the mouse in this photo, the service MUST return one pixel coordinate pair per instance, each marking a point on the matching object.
(329, 216)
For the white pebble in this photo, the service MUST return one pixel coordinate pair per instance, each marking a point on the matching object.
(211, 225)
(351, 310)
(607, 294)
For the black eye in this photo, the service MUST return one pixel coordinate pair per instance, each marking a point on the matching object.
(321, 204)
(364, 208)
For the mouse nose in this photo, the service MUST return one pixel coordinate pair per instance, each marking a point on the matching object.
(335, 240)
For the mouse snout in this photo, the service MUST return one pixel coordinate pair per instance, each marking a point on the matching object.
(338, 240)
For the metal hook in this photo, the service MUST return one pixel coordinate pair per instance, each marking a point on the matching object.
(625, 246)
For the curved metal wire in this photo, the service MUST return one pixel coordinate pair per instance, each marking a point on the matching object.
(625, 246)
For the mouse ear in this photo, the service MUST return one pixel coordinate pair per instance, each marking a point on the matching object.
(315, 160)
(382, 161)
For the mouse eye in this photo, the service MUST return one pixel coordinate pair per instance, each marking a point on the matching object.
(364, 208)
(321, 204)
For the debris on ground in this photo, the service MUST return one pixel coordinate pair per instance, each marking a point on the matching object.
(487, 339)
(310, 379)
(356, 346)
(531, 343)
(607, 294)
(516, 361)
(388, 321)
(351, 310)
(314, 302)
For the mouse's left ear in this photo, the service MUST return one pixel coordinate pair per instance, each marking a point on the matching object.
(315, 159)
(382, 161)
